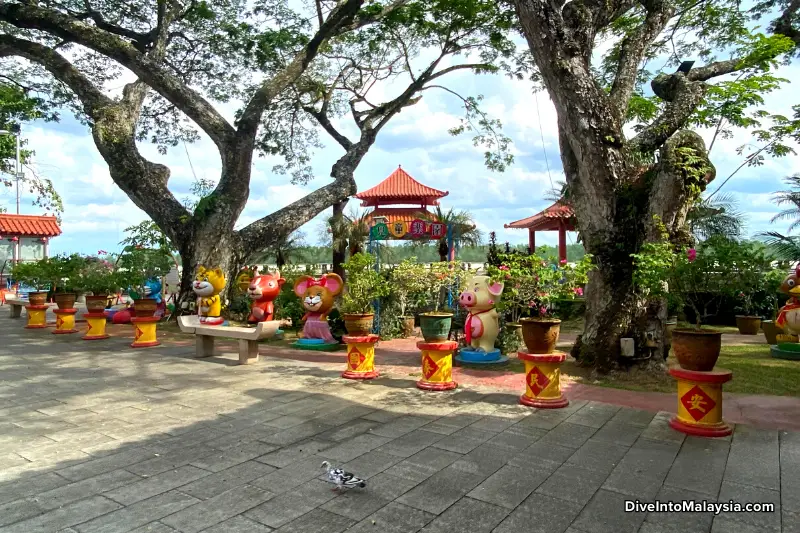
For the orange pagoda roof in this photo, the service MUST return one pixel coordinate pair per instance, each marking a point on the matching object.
(400, 188)
(29, 225)
(400, 214)
(548, 220)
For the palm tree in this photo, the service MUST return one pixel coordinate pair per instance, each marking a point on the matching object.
(715, 216)
(351, 231)
(465, 231)
(783, 248)
(791, 197)
(284, 251)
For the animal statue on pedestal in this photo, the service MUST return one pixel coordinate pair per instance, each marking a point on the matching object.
(317, 295)
(208, 284)
(263, 290)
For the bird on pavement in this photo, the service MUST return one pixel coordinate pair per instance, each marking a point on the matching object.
(341, 478)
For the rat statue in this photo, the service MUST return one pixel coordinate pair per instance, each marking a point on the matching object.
(208, 284)
(317, 295)
(263, 290)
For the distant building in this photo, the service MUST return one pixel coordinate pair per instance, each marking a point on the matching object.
(25, 237)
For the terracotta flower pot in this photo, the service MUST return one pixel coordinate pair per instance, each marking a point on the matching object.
(144, 307)
(435, 326)
(540, 334)
(37, 298)
(65, 300)
(771, 331)
(696, 349)
(748, 325)
(358, 324)
(408, 326)
(97, 303)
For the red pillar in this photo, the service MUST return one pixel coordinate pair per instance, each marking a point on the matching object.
(532, 240)
(562, 242)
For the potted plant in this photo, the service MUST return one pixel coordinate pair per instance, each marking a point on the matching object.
(435, 324)
(34, 275)
(749, 267)
(99, 277)
(364, 285)
(63, 271)
(408, 279)
(136, 265)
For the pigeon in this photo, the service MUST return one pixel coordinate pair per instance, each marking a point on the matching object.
(341, 478)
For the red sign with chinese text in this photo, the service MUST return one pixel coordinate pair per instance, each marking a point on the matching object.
(697, 403)
(537, 381)
(355, 358)
(429, 367)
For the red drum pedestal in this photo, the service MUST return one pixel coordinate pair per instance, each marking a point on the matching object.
(95, 327)
(543, 380)
(360, 357)
(36, 316)
(144, 331)
(65, 321)
(437, 365)
(700, 402)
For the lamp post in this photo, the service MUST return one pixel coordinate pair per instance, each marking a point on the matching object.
(17, 163)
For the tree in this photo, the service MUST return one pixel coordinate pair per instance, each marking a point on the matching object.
(465, 231)
(619, 186)
(186, 56)
(786, 247)
(719, 216)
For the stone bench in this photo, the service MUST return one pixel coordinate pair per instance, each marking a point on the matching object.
(18, 303)
(248, 337)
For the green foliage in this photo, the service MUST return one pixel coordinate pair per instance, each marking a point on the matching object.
(63, 271)
(288, 305)
(408, 283)
(98, 276)
(443, 278)
(364, 285)
(32, 274)
(137, 264)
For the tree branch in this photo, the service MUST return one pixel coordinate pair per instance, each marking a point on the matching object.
(112, 46)
(783, 24)
(632, 52)
(327, 125)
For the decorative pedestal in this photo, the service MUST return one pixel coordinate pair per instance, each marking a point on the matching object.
(785, 350)
(478, 357)
(360, 357)
(65, 321)
(437, 365)
(543, 380)
(700, 402)
(96, 326)
(318, 345)
(145, 331)
(37, 316)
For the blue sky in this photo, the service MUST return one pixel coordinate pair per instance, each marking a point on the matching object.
(96, 211)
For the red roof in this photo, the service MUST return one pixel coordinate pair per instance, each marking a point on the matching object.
(549, 219)
(400, 188)
(29, 226)
(400, 214)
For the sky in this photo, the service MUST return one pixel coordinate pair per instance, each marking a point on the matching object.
(96, 211)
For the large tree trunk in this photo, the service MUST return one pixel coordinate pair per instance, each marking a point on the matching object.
(339, 244)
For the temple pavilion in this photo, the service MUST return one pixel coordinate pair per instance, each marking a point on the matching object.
(558, 217)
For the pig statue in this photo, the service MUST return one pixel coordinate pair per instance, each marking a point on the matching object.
(481, 327)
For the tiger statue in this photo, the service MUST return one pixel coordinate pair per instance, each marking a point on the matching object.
(208, 284)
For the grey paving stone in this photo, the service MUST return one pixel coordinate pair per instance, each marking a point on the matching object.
(394, 518)
(347, 451)
(152, 486)
(171, 460)
(238, 524)
(618, 433)
(291, 505)
(496, 424)
(467, 515)
(211, 485)
(484, 460)
(154, 527)
(318, 521)
(790, 472)
(723, 524)
(294, 475)
(747, 494)
(545, 419)
(400, 426)
(634, 417)
(18, 510)
(410, 443)
(533, 433)
(605, 513)
(440, 491)
(356, 504)
(448, 425)
(679, 522)
(658, 429)
(464, 440)
(297, 433)
(349, 430)
(569, 435)
(422, 465)
(699, 466)
(597, 455)
(594, 414)
(572, 483)
(223, 459)
(540, 514)
(642, 486)
(288, 455)
(138, 514)
(542, 450)
(64, 517)
(512, 441)
(509, 486)
(79, 490)
(390, 487)
(790, 521)
(105, 464)
(754, 458)
(650, 457)
(371, 463)
(382, 416)
(217, 509)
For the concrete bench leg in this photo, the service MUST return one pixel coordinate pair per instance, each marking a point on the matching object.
(16, 311)
(248, 352)
(204, 346)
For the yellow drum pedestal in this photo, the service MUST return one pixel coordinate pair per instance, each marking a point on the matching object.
(360, 357)
(437, 365)
(37, 316)
(543, 380)
(65, 321)
(144, 331)
(700, 402)
(96, 326)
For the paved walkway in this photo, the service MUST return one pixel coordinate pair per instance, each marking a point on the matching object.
(97, 437)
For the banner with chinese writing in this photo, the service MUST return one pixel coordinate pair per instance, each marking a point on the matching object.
(398, 229)
(379, 232)
(417, 228)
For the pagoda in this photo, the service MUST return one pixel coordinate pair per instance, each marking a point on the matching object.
(400, 189)
(558, 217)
